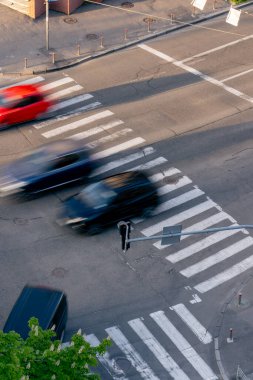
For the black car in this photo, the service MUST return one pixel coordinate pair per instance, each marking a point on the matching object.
(122, 196)
(54, 164)
(47, 304)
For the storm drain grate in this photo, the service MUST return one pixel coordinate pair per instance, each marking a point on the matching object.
(92, 36)
(70, 20)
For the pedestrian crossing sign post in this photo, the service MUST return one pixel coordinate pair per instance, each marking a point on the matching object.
(174, 231)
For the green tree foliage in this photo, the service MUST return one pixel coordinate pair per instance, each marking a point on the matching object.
(41, 358)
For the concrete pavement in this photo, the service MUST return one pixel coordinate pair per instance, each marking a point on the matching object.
(92, 31)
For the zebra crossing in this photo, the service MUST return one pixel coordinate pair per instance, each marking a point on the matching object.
(208, 261)
(156, 334)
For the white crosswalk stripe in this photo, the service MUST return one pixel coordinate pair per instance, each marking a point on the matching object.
(118, 148)
(183, 345)
(66, 91)
(225, 253)
(96, 130)
(167, 354)
(26, 81)
(200, 245)
(202, 225)
(77, 124)
(179, 218)
(56, 83)
(67, 115)
(70, 102)
(198, 329)
(157, 349)
(109, 364)
(226, 275)
(132, 355)
(121, 162)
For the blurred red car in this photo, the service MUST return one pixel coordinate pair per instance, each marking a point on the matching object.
(22, 103)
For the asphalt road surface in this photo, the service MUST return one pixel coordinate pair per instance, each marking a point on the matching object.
(181, 108)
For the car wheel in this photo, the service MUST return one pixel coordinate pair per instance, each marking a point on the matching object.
(94, 229)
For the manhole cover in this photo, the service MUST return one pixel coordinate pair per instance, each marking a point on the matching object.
(70, 20)
(149, 19)
(59, 272)
(123, 363)
(127, 4)
(92, 36)
(172, 179)
(20, 221)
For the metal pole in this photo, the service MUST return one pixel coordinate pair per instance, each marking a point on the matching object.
(207, 231)
(47, 24)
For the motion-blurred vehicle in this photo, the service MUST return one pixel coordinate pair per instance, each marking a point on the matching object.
(55, 164)
(48, 305)
(22, 103)
(119, 197)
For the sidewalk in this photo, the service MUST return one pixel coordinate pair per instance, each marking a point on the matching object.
(237, 314)
(93, 30)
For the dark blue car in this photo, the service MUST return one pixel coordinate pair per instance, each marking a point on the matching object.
(54, 164)
(118, 197)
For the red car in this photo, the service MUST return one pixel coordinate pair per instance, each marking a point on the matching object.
(22, 103)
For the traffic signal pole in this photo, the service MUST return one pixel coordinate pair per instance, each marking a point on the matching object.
(165, 237)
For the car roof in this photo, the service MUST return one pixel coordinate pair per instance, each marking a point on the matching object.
(122, 180)
(20, 91)
(33, 301)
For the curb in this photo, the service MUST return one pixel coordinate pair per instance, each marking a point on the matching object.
(76, 62)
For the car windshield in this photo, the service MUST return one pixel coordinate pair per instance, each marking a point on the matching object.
(6, 102)
(96, 195)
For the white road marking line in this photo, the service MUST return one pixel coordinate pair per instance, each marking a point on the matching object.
(200, 245)
(197, 73)
(70, 102)
(77, 124)
(108, 138)
(202, 225)
(177, 201)
(224, 276)
(118, 148)
(204, 53)
(237, 75)
(204, 264)
(96, 130)
(56, 83)
(197, 328)
(178, 218)
(27, 81)
(150, 164)
(109, 364)
(47, 123)
(66, 91)
(135, 359)
(158, 350)
(120, 162)
(183, 345)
